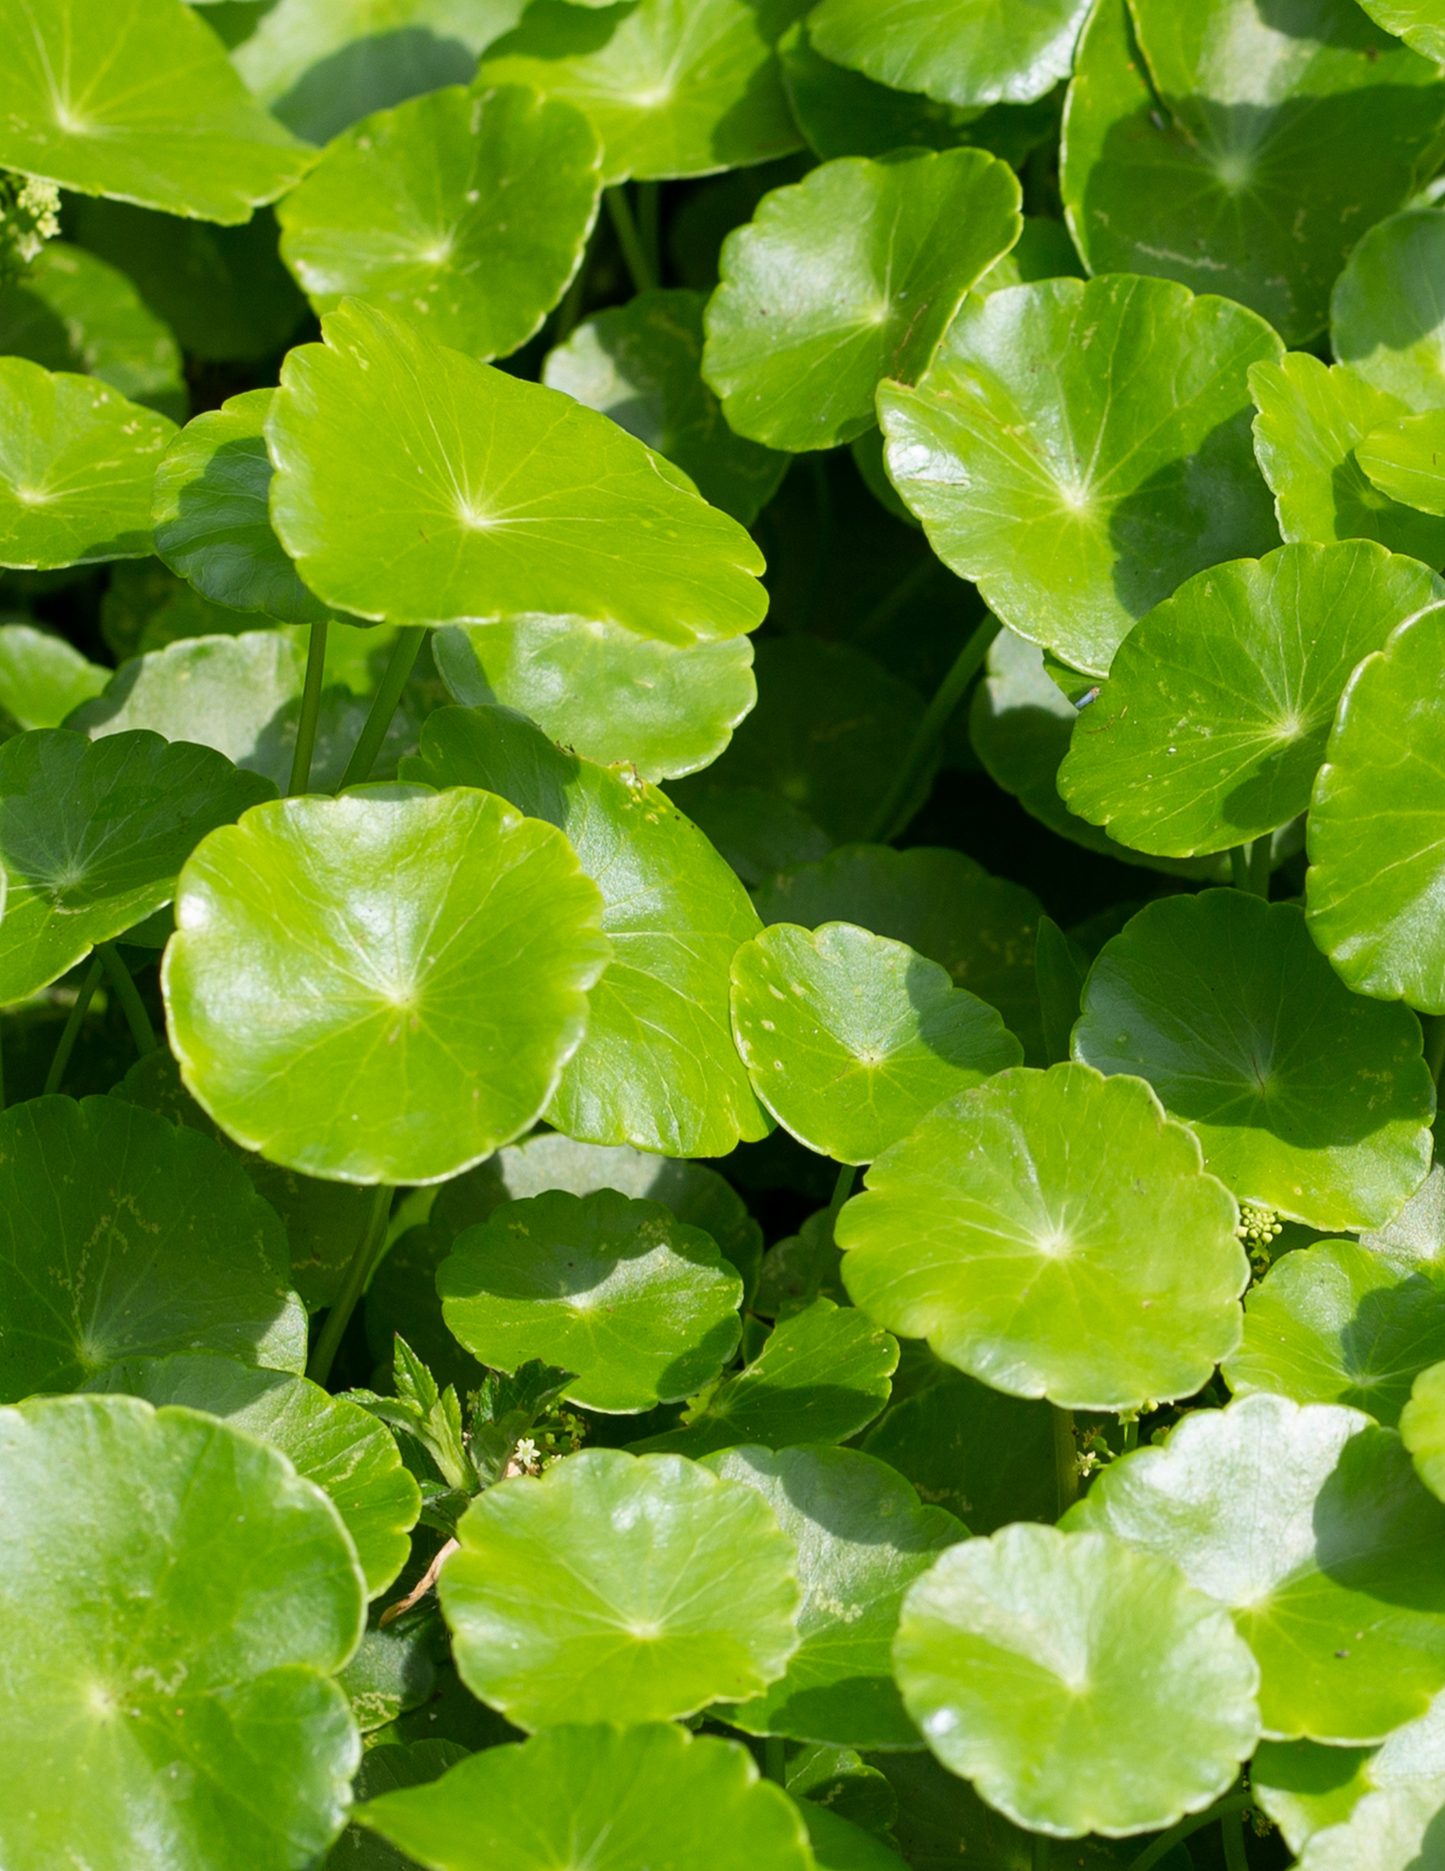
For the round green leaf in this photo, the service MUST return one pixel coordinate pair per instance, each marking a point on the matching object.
(1052, 1234)
(1312, 419)
(1309, 1523)
(1416, 1236)
(394, 509)
(1422, 1426)
(1385, 318)
(322, 64)
(42, 678)
(1304, 1787)
(1081, 1686)
(641, 364)
(177, 1597)
(465, 211)
(1306, 1098)
(74, 312)
(982, 929)
(1397, 1825)
(1020, 724)
(862, 1538)
(76, 465)
(842, 113)
(92, 838)
(1214, 719)
(124, 1237)
(1419, 23)
(844, 279)
(612, 696)
(825, 736)
(139, 102)
(642, 1308)
(619, 1588)
(390, 1674)
(1337, 1323)
(242, 695)
(850, 1039)
(1403, 460)
(347, 1453)
(1376, 862)
(1241, 150)
(672, 87)
(959, 51)
(987, 1457)
(822, 1375)
(211, 520)
(657, 1067)
(382, 987)
(1079, 482)
(612, 1799)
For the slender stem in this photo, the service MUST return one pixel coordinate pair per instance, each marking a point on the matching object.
(1231, 1827)
(649, 226)
(132, 1006)
(888, 607)
(630, 241)
(359, 1270)
(842, 1189)
(1131, 1433)
(1239, 866)
(363, 757)
(1166, 1841)
(775, 1759)
(83, 998)
(310, 711)
(886, 823)
(1435, 1044)
(1260, 854)
(1066, 1459)
(1043, 1847)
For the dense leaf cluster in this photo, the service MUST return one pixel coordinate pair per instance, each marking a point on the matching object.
(586, 1278)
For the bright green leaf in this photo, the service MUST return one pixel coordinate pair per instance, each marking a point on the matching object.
(1422, 1426)
(839, 1845)
(847, 278)
(959, 51)
(1052, 1234)
(1420, 23)
(609, 1798)
(76, 465)
(414, 483)
(1403, 460)
(862, 1538)
(842, 113)
(1305, 1787)
(92, 838)
(42, 678)
(348, 1454)
(1309, 1523)
(619, 1588)
(641, 364)
(1080, 482)
(327, 1045)
(673, 87)
(465, 212)
(850, 1038)
(175, 1613)
(1219, 703)
(1081, 1686)
(657, 1068)
(124, 1237)
(640, 1306)
(1385, 316)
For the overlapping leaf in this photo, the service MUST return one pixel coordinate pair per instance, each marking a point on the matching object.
(961, 52)
(1385, 317)
(1405, 460)
(42, 677)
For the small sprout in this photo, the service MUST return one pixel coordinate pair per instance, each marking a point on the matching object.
(29, 216)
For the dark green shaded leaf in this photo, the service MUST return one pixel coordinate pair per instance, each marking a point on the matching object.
(1385, 315)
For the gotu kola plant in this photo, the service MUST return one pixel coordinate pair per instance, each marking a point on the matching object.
(722, 935)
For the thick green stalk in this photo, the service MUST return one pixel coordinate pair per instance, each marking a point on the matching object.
(354, 1282)
(775, 1759)
(1260, 853)
(842, 1189)
(885, 824)
(1231, 1829)
(644, 279)
(1131, 1433)
(1066, 1459)
(649, 226)
(83, 998)
(1239, 866)
(132, 1006)
(1166, 1841)
(310, 711)
(363, 757)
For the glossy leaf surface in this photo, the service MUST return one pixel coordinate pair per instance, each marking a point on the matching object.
(850, 1038)
(1079, 484)
(848, 278)
(183, 1604)
(1385, 317)
(657, 1067)
(961, 52)
(1081, 1686)
(619, 1588)
(1306, 1098)
(1052, 1234)
(639, 1305)
(1405, 460)
(295, 1025)
(483, 496)
(464, 212)
(1422, 1427)
(42, 677)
